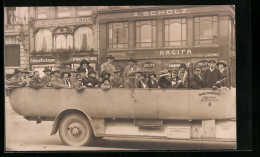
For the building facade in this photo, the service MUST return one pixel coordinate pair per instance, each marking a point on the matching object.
(163, 37)
(62, 36)
(16, 39)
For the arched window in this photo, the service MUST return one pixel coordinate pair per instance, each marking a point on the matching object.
(60, 42)
(83, 38)
(63, 38)
(145, 34)
(43, 40)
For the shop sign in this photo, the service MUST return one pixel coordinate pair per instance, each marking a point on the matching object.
(174, 65)
(162, 12)
(173, 52)
(149, 65)
(63, 21)
(203, 63)
(209, 97)
(88, 58)
(41, 60)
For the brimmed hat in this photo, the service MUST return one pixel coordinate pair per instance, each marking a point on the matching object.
(222, 62)
(164, 73)
(131, 73)
(182, 66)
(16, 71)
(65, 72)
(84, 62)
(46, 69)
(197, 67)
(151, 73)
(132, 60)
(104, 73)
(73, 71)
(110, 57)
(212, 61)
(56, 70)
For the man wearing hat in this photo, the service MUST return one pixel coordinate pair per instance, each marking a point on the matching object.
(176, 81)
(130, 67)
(65, 75)
(56, 81)
(212, 75)
(224, 73)
(108, 66)
(152, 82)
(46, 79)
(138, 74)
(183, 75)
(196, 80)
(116, 81)
(84, 65)
(143, 82)
(35, 81)
(92, 80)
(130, 82)
(16, 79)
(165, 79)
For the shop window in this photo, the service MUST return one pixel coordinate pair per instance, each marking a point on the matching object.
(43, 40)
(84, 38)
(42, 12)
(118, 35)
(206, 30)
(63, 11)
(12, 55)
(175, 32)
(63, 42)
(146, 34)
(84, 11)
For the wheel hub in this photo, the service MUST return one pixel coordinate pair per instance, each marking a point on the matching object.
(75, 131)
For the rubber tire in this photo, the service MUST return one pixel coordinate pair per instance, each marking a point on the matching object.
(72, 118)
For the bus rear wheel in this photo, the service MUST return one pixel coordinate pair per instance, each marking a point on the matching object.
(75, 130)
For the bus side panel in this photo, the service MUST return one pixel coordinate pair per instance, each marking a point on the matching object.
(210, 104)
(173, 104)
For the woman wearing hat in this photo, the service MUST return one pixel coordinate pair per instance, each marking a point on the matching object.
(224, 72)
(130, 67)
(143, 82)
(84, 65)
(183, 75)
(108, 66)
(92, 80)
(152, 82)
(165, 79)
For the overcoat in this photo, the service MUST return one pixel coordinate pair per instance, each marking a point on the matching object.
(211, 77)
(196, 82)
(35, 83)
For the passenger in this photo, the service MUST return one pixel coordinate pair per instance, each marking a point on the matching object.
(46, 79)
(196, 80)
(73, 77)
(82, 75)
(152, 82)
(108, 66)
(84, 65)
(130, 82)
(104, 75)
(224, 73)
(65, 75)
(79, 86)
(117, 81)
(24, 77)
(16, 79)
(212, 75)
(176, 81)
(165, 79)
(56, 81)
(35, 81)
(106, 84)
(143, 82)
(92, 80)
(130, 67)
(183, 75)
(138, 78)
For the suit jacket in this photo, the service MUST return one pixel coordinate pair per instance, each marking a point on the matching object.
(108, 67)
(46, 80)
(35, 83)
(196, 82)
(152, 85)
(128, 69)
(211, 77)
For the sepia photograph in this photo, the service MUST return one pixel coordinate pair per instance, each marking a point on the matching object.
(120, 78)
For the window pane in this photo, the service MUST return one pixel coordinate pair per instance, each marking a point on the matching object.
(197, 30)
(43, 40)
(60, 42)
(69, 42)
(63, 11)
(83, 38)
(206, 30)
(175, 32)
(146, 33)
(118, 34)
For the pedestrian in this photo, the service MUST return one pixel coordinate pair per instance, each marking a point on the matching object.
(56, 81)
(165, 79)
(224, 73)
(65, 75)
(92, 80)
(35, 81)
(152, 81)
(130, 81)
(84, 65)
(108, 65)
(46, 79)
(106, 84)
(183, 75)
(196, 80)
(16, 79)
(130, 68)
(212, 75)
(116, 81)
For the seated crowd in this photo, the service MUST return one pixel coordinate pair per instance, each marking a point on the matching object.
(133, 77)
